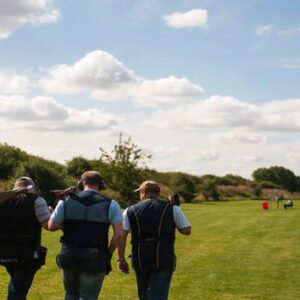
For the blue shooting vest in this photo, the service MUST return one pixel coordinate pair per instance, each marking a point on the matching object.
(86, 226)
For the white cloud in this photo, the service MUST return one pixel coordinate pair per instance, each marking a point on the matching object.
(293, 156)
(237, 136)
(192, 18)
(107, 79)
(261, 30)
(165, 152)
(281, 115)
(46, 114)
(250, 158)
(207, 155)
(212, 112)
(227, 112)
(17, 13)
(166, 91)
(98, 72)
(14, 84)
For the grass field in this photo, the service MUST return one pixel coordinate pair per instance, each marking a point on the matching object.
(236, 251)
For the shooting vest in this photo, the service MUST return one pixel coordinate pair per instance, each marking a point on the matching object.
(86, 221)
(153, 235)
(20, 231)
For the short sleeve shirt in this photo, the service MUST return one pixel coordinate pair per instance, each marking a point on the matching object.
(41, 209)
(179, 219)
(114, 212)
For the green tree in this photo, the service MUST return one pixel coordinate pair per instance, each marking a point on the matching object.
(77, 165)
(277, 175)
(47, 175)
(209, 189)
(231, 179)
(122, 168)
(10, 158)
(297, 188)
(184, 185)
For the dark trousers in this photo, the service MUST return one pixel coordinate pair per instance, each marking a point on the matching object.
(20, 281)
(153, 285)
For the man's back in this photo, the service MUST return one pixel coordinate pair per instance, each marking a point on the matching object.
(152, 224)
(153, 234)
(86, 220)
(18, 224)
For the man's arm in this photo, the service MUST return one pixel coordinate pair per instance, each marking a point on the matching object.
(182, 224)
(54, 225)
(11, 194)
(123, 265)
(57, 217)
(115, 218)
(185, 230)
(117, 237)
(42, 212)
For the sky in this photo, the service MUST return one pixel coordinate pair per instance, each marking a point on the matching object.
(205, 87)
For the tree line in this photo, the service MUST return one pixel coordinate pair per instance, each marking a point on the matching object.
(125, 167)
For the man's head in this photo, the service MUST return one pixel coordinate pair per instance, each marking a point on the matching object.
(148, 189)
(91, 180)
(25, 182)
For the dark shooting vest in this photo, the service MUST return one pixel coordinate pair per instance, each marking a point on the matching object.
(153, 235)
(85, 238)
(20, 231)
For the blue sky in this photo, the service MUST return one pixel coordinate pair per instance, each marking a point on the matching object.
(204, 86)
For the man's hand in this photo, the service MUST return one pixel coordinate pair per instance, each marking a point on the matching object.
(51, 209)
(123, 266)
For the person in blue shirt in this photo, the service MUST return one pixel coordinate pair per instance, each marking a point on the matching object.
(86, 250)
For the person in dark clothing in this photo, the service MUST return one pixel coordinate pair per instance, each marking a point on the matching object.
(22, 217)
(174, 199)
(152, 223)
(288, 204)
(86, 251)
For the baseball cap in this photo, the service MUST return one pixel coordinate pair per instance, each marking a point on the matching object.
(149, 186)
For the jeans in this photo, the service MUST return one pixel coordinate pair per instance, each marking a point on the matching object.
(20, 281)
(153, 285)
(82, 285)
(83, 272)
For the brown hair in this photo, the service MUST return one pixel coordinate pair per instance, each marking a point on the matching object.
(92, 178)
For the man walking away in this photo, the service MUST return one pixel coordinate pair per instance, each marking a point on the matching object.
(86, 252)
(152, 223)
(22, 217)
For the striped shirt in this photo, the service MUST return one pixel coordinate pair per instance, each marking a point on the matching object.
(42, 212)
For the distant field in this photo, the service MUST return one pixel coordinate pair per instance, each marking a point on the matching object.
(236, 251)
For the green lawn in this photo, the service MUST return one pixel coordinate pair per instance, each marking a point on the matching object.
(236, 251)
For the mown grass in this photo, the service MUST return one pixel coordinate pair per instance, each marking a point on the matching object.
(236, 251)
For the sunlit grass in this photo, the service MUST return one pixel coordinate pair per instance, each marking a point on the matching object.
(236, 251)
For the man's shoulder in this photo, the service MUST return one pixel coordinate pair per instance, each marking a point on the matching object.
(148, 203)
(91, 197)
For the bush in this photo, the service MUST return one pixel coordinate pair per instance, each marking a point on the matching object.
(236, 192)
(77, 165)
(10, 159)
(46, 175)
